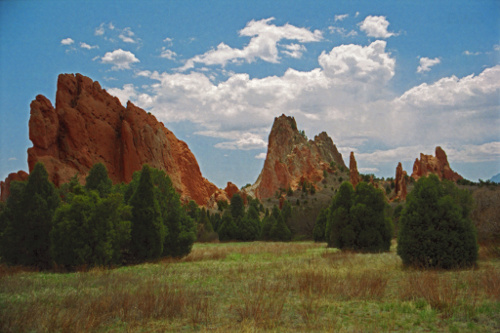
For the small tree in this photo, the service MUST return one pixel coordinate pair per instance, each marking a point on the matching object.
(147, 232)
(228, 229)
(357, 219)
(98, 180)
(320, 226)
(435, 228)
(237, 207)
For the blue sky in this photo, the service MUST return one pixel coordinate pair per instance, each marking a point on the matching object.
(386, 79)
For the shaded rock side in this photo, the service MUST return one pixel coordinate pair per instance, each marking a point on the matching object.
(88, 126)
(353, 170)
(437, 165)
(400, 182)
(291, 159)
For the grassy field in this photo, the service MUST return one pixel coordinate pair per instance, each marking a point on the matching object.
(255, 287)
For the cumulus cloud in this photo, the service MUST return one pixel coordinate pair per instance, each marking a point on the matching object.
(67, 41)
(376, 26)
(426, 64)
(120, 59)
(368, 64)
(340, 17)
(262, 45)
(87, 46)
(469, 53)
(99, 31)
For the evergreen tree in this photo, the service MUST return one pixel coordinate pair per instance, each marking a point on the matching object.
(237, 207)
(320, 226)
(228, 229)
(90, 231)
(357, 219)
(98, 180)
(435, 227)
(27, 231)
(279, 231)
(147, 233)
(249, 226)
(267, 224)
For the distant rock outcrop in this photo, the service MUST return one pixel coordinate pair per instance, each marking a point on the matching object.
(400, 182)
(437, 165)
(292, 159)
(353, 167)
(88, 126)
(5, 185)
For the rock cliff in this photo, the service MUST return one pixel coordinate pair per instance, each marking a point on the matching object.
(88, 126)
(437, 165)
(292, 158)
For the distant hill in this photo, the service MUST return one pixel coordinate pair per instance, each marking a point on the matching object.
(496, 178)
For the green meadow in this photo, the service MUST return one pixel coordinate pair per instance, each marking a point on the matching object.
(254, 287)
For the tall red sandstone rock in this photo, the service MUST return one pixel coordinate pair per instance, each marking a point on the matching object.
(88, 126)
(437, 165)
(400, 182)
(353, 168)
(292, 158)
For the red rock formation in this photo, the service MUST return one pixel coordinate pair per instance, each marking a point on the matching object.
(353, 167)
(400, 181)
(436, 165)
(5, 186)
(291, 157)
(88, 126)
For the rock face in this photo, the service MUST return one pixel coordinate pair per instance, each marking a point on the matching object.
(88, 126)
(400, 182)
(291, 159)
(5, 185)
(437, 165)
(353, 168)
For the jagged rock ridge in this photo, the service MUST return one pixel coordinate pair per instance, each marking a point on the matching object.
(437, 165)
(88, 126)
(292, 159)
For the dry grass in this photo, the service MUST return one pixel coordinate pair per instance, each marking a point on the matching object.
(254, 287)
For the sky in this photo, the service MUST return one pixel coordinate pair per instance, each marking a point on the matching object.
(387, 80)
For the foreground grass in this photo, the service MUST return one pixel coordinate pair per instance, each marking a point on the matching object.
(255, 287)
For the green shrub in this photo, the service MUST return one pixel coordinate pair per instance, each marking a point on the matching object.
(435, 228)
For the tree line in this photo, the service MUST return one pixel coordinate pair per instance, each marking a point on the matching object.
(93, 225)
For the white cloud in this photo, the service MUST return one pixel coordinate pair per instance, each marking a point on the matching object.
(125, 94)
(294, 50)
(111, 26)
(262, 45)
(67, 41)
(469, 53)
(169, 41)
(368, 64)
(376, 26)
(99, 31)
(168, 54)
(426, 64)
(126, 36)
(368, 170)
(119, 59)
(261, 156)
(342, 31)
(87, 46)
(340, 17)
(12, 159)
